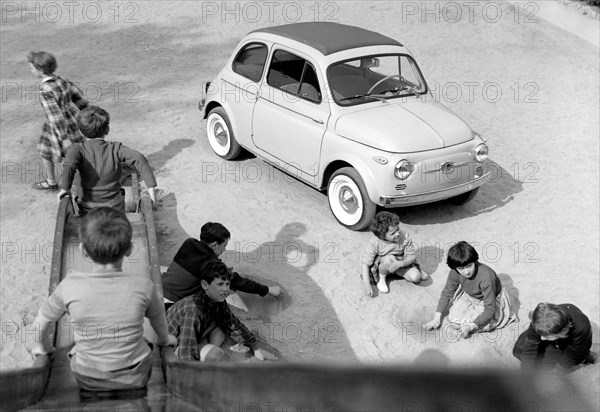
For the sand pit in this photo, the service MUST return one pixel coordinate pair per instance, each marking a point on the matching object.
(529, 87)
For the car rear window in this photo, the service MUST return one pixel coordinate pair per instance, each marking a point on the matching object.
(250, 61)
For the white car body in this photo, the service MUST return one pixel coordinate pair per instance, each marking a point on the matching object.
(311, 130)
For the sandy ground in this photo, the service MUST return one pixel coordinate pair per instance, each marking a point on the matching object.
(529, 87)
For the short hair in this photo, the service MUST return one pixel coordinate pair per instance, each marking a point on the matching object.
(215, 269)
(382, 222)
(105, 234)
(214, 232)
(93, 122)
(461, 254)
(43, 61)
(549, 319)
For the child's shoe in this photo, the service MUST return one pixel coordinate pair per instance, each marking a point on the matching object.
(44, 185)
(382, 286)
(591, 358)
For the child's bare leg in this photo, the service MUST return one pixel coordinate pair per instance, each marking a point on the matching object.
(216, 337)
(382, 284)
(413, 274)
(50, 172)
(388, 264)
(367, 283)
(211, 346)
(211, 353)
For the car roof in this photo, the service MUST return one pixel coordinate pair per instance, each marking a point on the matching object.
(328, 38)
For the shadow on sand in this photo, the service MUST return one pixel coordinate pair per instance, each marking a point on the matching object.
(301, 323)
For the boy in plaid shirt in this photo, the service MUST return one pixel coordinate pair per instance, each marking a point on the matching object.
(57, 96)
(200, 321)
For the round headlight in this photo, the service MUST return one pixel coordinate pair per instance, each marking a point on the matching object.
(403, 169)
(481, 152)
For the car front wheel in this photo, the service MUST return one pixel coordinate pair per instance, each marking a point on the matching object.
(220, 135)
(349, 200)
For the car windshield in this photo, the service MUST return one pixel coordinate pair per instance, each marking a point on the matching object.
(369, 78)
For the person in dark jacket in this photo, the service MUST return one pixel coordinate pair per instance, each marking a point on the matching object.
(184, 274)
(558, 339)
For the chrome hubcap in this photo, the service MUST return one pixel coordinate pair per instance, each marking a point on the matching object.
(221, 134)
(348, 200)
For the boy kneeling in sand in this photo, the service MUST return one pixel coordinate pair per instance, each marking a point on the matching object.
(390, 252)
(114, 301)
(100, 164)
(184, 275)
(558, 339)
(200, 321)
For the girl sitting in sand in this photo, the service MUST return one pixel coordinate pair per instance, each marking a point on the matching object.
(479, 302)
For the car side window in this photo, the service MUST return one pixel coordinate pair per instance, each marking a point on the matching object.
(294, 75)
(250, 61)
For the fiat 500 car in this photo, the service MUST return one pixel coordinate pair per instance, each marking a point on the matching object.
(345, 110)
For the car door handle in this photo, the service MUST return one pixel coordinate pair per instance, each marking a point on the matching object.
(317, 121)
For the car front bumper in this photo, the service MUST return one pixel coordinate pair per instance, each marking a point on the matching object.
(433, 196)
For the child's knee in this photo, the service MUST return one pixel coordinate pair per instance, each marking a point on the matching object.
(386, 264)
(211, 353)
(414, 275)
(216, 337)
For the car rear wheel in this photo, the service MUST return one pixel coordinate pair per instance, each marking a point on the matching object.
(220, 135)
(349, 200)
(464, 198)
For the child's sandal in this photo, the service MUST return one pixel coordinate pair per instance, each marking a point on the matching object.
(44, 185)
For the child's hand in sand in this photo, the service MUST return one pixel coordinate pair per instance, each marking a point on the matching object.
(274, 290)
(435, 322)
(40, 350)
(466, 328)
(262, 355)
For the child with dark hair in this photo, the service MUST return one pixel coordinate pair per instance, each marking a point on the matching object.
(61, 101)
(183, 276)
(100, 164)
(390, 252)
(479, 302)
(115, 301)
(558, 339)
(201, 321)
